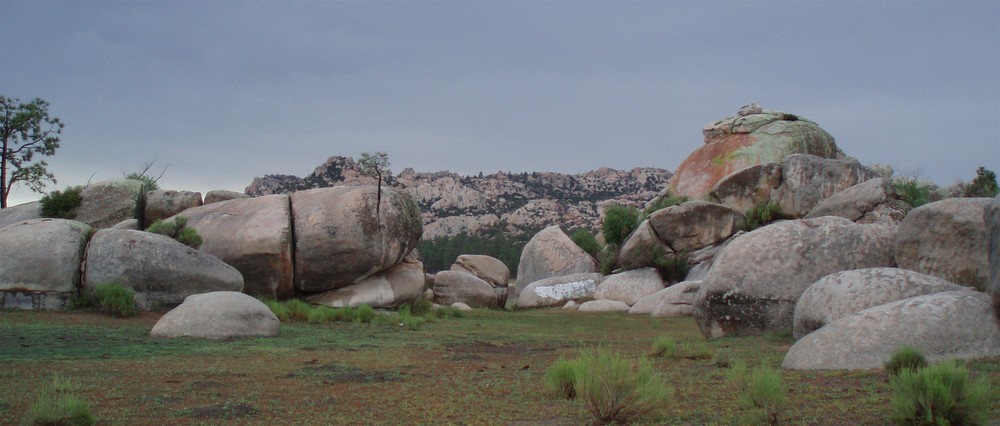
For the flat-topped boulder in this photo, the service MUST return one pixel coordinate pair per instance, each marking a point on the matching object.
(109, 202)
(629, 286)
(161, 203)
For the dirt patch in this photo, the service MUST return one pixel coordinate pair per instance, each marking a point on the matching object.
(205, 384)
(222, 411)
(480, 347)
(338, 373)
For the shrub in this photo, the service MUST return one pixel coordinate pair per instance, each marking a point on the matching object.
(984, 185)
(915, 192)
(941, 394)
(673, 268)
(586, 241)
(364, 314)
(448, 312)
(905, 358)
(663, 347)
(61, 204)
(737, 374)
(764, 394)
(115, 299)
(421, 307)
(59, 405)
(608, 258)
(561, 377)
(298, 310)
(619, 222)
(662, 203)
(618, 389)
(722, 358)
(178, 230)
(760, 214)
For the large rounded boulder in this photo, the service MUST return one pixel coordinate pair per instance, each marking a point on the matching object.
(629, 286)
(218, 315)
(40, 263)
(752, 137)
(695, 225)
(843, 293)
(161, 271)
(954, 324)
(254, 235)
(460, 286)
(674, 301)
(19, 213)
(947, 239)
(390, 289)
(550, 253)
(758, 277)
(105, 204)
(345, 234)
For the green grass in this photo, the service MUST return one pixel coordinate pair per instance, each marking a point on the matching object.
(561, 377)
(59, 405)
(941, 394)
(905, 358)
(115, 299)
(486, 367)
(663, 347)
(617, 388)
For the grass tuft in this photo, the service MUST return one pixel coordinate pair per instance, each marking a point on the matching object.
(115, 299)
(615, 388)
(941, 394)
(59, 405)
(905, 358)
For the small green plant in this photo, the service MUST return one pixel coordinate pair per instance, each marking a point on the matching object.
(561, 377)
(984, 185)
(673, 268)
(364, 314)
(421, 307)
(178, 230)
(616, 388)
(61, 204)
(619, 222)
(298, 310)
(662, 203)
(115, 299)
(941, 394)
(694, 350)
(59, 405)
(663, 347)
(765, 395)
(760, 214)
(915, 192)
(737, 374)
(586, 241)
(607, 257)
(722, 358)
(448, 312)
(905, 358)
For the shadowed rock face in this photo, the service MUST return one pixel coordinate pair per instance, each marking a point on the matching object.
(735, 143)
(991, 216)
(758, 277)
(946, 239)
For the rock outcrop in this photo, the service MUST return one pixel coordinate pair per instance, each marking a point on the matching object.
(160, 270)
(843, 293)
(461, 286)
(758, 277)
(695, 225)
(955, 324)
(991, 216)
(946, 239)
(390, 289)
(40, 263)
(551, 253)
(808, 179)
(217, 195)
(629, 286)
(738, 142)
(870, 201)
(19, 213)
(218, 315)
(557, 291)
(109, 202)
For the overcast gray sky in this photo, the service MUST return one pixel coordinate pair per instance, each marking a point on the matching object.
(222, 91)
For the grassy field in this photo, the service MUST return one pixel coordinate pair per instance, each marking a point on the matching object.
(484, 368)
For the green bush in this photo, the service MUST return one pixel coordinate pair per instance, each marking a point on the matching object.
(905, 358)
(178, 230)
(764, 394)
(663, 347)
(662, 203)
(984, 185)
(913, 191)
(586, 241)
(760, 214)
(61, 204)
(615, 388)
(561, 377)
(298, 310)
(673, 268)
(364, 314)
(619, 222)
(115, 299)
(608, 259)
(421, 307)
(59, 405)
(941, 394)
(737, 374)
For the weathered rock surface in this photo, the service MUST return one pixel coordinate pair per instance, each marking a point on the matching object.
(40, 263)
(460, 286)
(161, 271)
(218, 315)
(551, 253)
(843, 293)
(132, 224)
(758, 277)
(556, 291)
(955, 324)
(487, 268)
(161, 204)
(218, 195)
(19, 213)
(866, 202)
(674, 301)
(629, 286)
(748, 187)
(253, 235)
(461, 306)
(109, 202)
(695, 224)
(392, 288)
(808, 179)
(339, 239)
(946, 239)
(603, 306)
(735, 143)
(991, 216)
(477, 205)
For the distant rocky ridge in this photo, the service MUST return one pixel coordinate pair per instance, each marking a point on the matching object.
(452, 204)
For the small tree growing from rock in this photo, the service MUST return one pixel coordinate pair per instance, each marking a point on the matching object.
(984, 185)
(375, 165)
